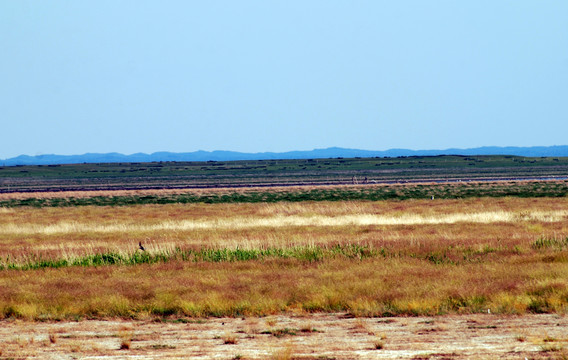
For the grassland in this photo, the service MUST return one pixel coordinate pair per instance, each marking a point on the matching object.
(460, 190)
(449, 238)
(179, 175)
(367, 258)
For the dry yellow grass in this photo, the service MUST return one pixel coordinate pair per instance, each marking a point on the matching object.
(472, 222)
(278, 221)
(484, 248)
(368, 287)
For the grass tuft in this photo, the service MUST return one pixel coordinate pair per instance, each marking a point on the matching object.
(378, 345)
(52, 337)
(229, 339)
(280, 332)
(125, 336)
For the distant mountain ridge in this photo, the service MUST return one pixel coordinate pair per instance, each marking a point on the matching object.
(333, 152)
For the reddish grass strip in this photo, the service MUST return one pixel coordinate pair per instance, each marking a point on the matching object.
(372, 287)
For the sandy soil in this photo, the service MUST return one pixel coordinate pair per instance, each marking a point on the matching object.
(321, 336)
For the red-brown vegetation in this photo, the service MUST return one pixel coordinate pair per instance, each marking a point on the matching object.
(443, 256)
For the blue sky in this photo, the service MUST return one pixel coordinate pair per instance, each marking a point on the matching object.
(254, 76)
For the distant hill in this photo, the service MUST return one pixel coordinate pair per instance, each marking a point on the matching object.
(333, 152)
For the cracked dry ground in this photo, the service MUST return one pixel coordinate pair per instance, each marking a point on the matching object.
(317, 336)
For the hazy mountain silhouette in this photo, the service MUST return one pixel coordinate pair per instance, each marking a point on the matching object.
(332, 152)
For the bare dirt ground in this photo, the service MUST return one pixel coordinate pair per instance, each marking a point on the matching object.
(319, 336)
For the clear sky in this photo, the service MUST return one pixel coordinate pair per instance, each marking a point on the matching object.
(269, 75)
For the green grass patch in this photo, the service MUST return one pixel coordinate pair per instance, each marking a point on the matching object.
(545, 242)
(309, 254)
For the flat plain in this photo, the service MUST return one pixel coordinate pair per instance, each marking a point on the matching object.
(425, 274)
(315, 336)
